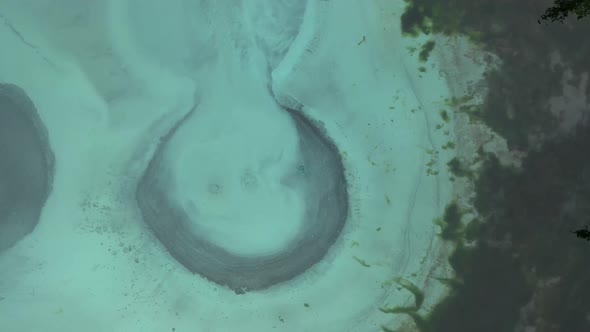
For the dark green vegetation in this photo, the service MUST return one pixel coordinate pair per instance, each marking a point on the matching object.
(522, 247)
(426, 49)
(412, 311)
(583, 233)
(563, 8)
(444, 115)
(459, 169)
(451, 223)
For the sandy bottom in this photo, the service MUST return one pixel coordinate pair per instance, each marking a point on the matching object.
(111, 80)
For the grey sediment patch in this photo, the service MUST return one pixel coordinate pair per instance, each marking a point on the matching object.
(326, 199)
(26, 165)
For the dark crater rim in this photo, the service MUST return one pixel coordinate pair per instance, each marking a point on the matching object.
(34, 194)
(171, 225)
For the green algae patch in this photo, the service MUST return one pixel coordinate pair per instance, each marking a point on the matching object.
(417, 318)
(411, 311)
(450, 223)
(459, 169)
(426, 50)
(409, 286)
(521, 237)
(415, 20)
(448, 146)
(412, 288)
(472, 229)
(444, 115)
(526, 61)
(430, 16)
(515, 113)
(521, 244)
(450, 282)
(492, 287)
(362, 262)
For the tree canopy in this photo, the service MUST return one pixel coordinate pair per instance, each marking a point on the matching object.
(563, 8)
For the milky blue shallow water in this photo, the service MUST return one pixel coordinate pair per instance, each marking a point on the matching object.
(257, 166)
